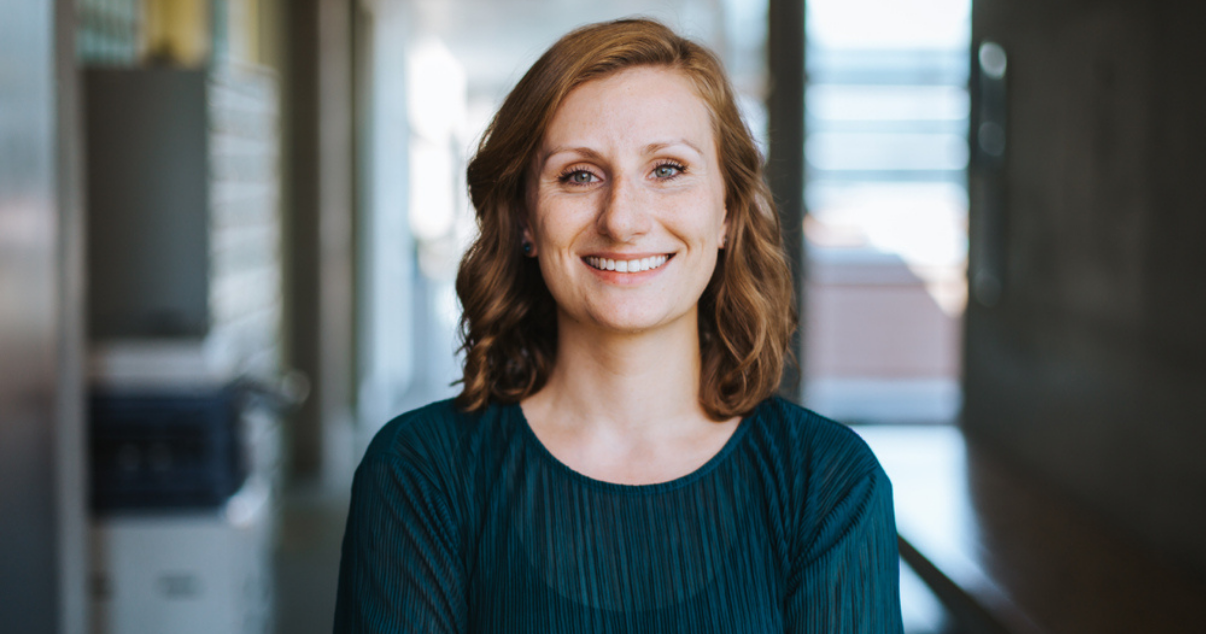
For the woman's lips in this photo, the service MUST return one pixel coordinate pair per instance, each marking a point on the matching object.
(629, 264)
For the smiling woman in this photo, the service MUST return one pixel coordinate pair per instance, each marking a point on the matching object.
(616, 460)
(604, 193)
(510, 323)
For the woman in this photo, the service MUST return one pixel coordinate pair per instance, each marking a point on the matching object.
(616, 460)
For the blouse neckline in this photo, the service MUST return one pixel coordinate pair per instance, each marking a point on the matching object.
(515, 411)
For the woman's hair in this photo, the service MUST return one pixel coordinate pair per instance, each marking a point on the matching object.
(509, 330)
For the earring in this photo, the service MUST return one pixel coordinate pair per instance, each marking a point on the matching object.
(527, 248)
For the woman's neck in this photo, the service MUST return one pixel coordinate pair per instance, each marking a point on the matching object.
(638, 384)
(624, 408)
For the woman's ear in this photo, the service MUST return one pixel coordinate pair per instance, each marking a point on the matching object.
(724, 230)
(527, 245)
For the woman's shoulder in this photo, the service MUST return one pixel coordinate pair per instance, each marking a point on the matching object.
(434, 435)
(829, 473)
(807, 439)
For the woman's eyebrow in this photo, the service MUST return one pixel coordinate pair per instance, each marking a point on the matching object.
(661, 145)
(590, 153)
(581, 150)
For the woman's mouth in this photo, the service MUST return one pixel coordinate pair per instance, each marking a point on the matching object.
(636, 265)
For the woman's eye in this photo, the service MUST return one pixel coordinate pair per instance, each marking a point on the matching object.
(668, 170)
(578, 177)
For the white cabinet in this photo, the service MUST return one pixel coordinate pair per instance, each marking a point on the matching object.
(202, 572)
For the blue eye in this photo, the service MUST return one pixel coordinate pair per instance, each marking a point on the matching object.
(668, 170)
(578, 177)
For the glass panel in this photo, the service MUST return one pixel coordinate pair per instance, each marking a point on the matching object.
(887, 111)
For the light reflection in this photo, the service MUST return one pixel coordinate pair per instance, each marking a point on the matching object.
(888, 103)
(928, 469)
(925, 223)
(888, 24)
(900, 151)
(437, 106)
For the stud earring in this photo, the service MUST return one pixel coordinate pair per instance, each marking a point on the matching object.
(527, 248)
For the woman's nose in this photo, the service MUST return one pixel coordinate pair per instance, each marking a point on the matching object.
(625, 213)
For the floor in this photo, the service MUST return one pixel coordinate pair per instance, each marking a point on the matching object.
(307, 560)
(1007, 546)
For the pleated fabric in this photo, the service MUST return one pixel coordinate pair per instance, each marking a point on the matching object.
(466, 523)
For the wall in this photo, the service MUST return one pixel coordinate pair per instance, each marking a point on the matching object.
(42, 557)
(1090, 370)
(317, 214)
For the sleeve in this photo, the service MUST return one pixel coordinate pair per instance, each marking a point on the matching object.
(401, 570)
(845, 578)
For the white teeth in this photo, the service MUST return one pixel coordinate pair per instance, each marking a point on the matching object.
(627, 266)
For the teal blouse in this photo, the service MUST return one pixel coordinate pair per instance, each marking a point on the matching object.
(464, 522)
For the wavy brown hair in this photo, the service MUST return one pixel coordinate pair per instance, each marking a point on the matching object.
(509, 327)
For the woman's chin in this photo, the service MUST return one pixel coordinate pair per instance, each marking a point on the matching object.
(637, 320)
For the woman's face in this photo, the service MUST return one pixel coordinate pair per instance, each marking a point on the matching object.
(626, 212)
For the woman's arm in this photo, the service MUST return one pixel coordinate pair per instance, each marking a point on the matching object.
(845, 578)
(401, 570)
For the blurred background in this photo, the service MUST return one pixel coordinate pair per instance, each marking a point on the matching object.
(229, 231)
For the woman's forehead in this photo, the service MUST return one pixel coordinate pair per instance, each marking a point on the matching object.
(644, 107)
